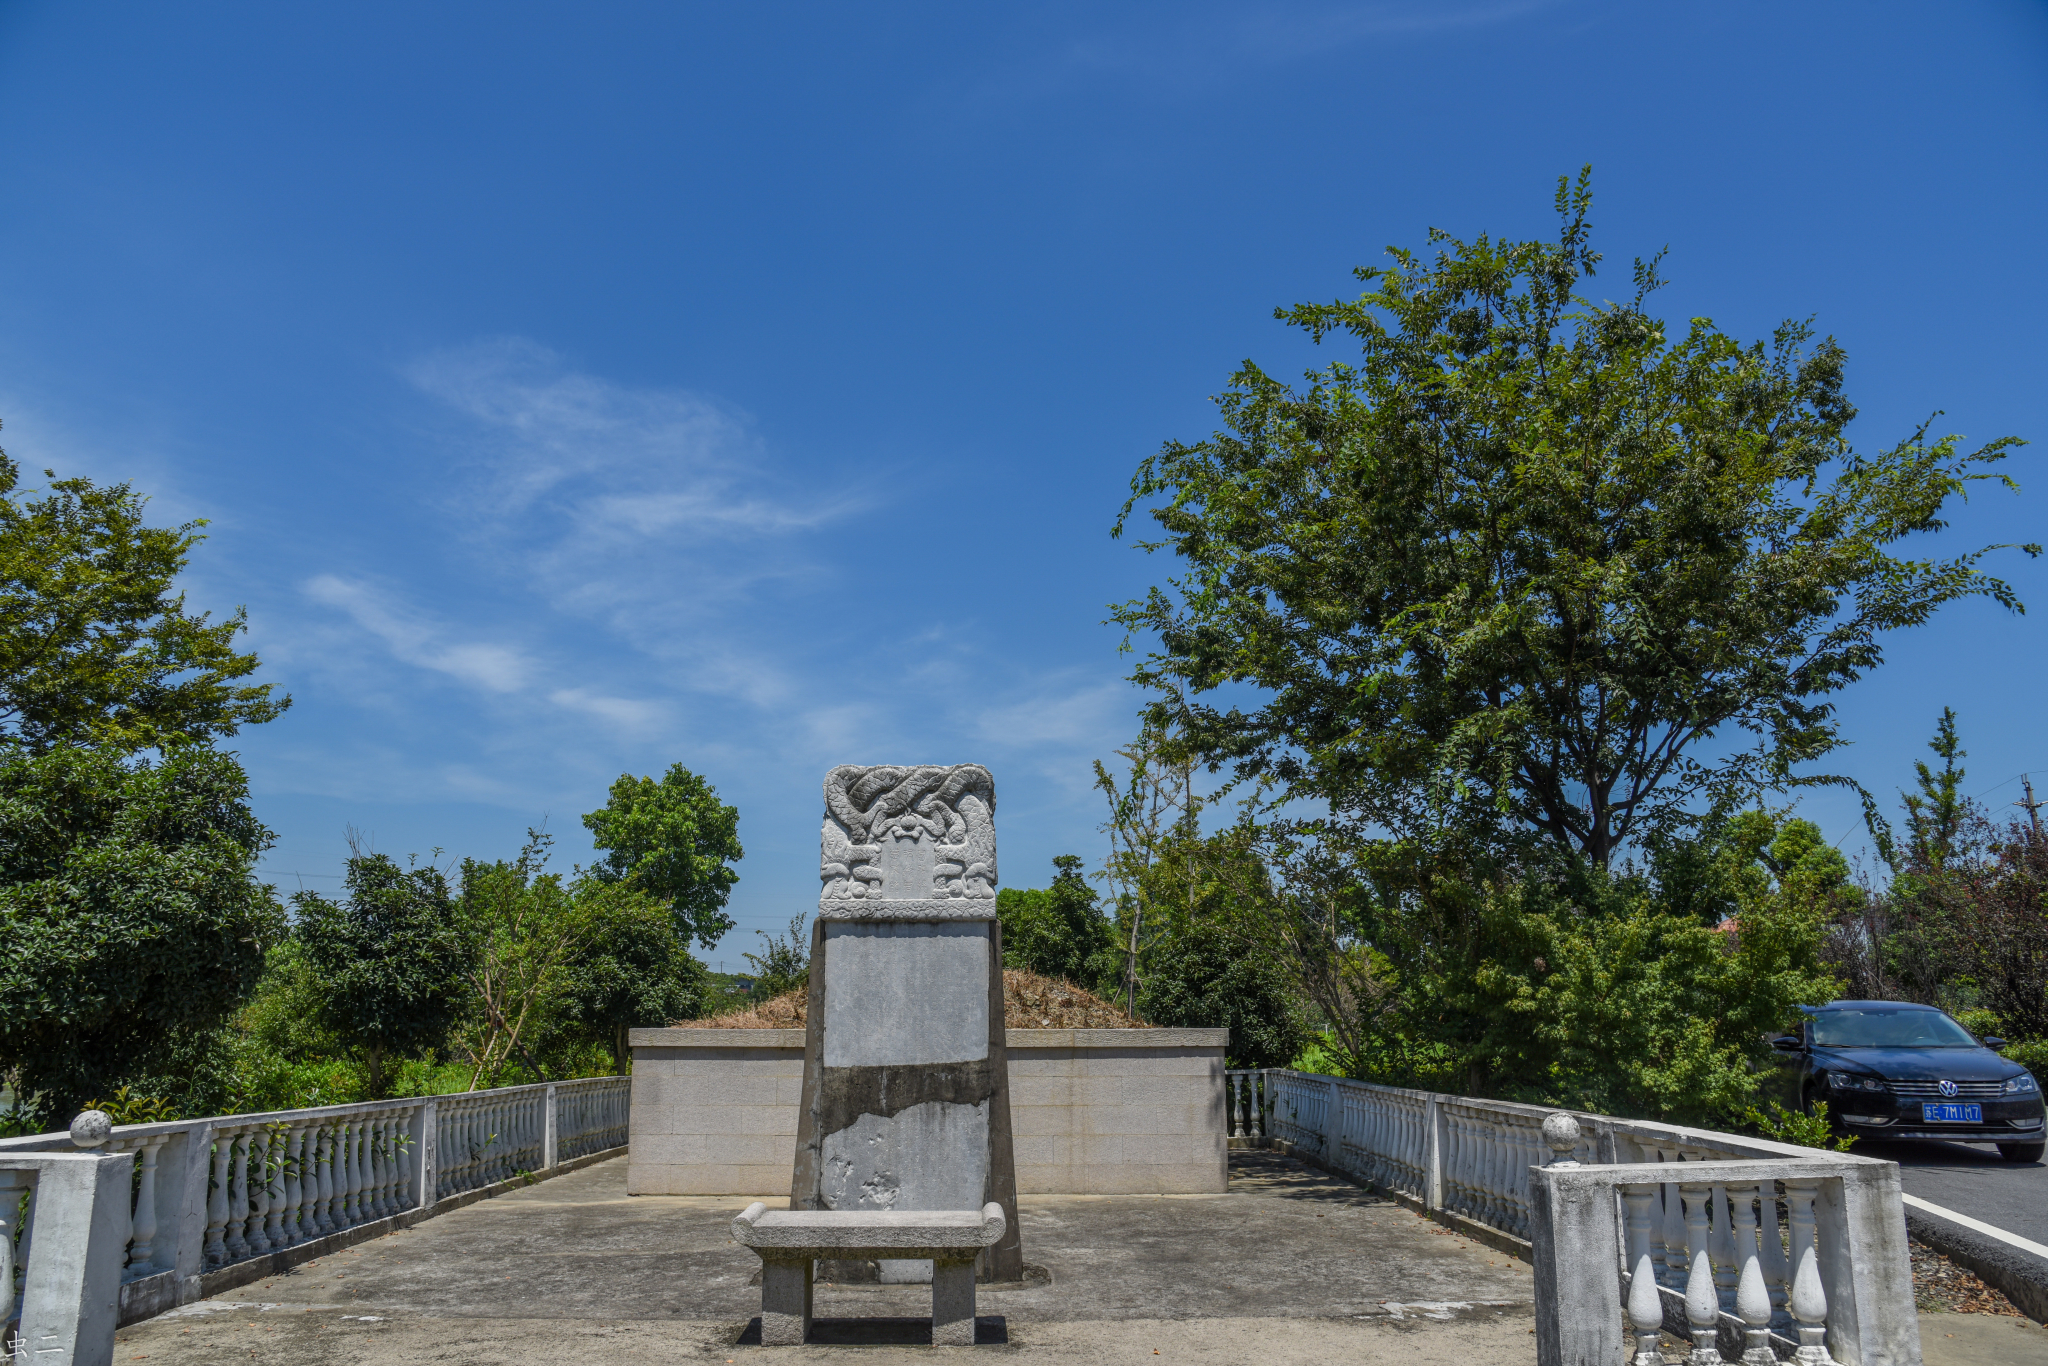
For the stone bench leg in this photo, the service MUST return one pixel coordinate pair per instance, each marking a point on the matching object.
(952, 1304)
(786, 1302)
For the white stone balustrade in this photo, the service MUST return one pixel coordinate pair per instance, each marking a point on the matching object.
(214, 1197)
(1758, 1251)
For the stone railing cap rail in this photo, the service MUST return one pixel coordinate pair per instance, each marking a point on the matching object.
(910, 1233)
(61, 1139)
(686, 1037)
(1743, 1146)
(1819, 1167)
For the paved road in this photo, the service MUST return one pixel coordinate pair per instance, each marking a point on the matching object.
(1975, 1181)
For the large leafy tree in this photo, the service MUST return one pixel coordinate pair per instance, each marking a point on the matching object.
(129, 914)
(631, 969)
(390, 959)
(674, 840)
(1058, 930)
(95, 646)
(1534, 565)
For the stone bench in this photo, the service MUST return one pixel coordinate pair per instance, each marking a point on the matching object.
(790, 1243)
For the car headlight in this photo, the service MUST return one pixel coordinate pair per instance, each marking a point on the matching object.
(2021, 1083)
(1850, 1081)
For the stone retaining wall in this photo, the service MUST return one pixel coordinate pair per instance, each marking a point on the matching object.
(1092, 1111)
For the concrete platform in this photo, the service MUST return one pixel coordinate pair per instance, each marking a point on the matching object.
(1288, 1265)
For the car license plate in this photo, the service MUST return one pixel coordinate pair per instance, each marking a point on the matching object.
(1951, 1114)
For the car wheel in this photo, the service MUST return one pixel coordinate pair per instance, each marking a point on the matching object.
(2022, 1152)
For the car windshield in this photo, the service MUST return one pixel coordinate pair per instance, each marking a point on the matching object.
(1888, 1029)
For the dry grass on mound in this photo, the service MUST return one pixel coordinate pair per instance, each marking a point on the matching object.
(1029, 1002)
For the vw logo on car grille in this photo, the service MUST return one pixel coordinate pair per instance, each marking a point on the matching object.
(1948, 1088)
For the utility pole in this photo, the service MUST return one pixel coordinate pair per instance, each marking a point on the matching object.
(2033, 807)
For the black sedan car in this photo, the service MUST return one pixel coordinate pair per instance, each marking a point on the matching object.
(1889, 1069)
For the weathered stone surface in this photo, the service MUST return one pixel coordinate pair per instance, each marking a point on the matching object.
(922, 833)
(913, 992)
(905, 1101)
(866, 1233)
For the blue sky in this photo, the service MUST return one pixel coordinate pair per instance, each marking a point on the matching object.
(574, 389)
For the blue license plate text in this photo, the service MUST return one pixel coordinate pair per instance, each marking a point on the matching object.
(1951, 1114)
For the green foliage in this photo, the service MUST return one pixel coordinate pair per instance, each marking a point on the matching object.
(2032, 1055)
(1963, 922)
(129, 914)
(1790, 1126)
(673, 840)
(783, 964)
(1528, 566)
(389, 959)
(124, 1108)
(95, 647)
(1982, 1023)
(630, 969)
(1201, 977)
(1058, 930)
(521, 930)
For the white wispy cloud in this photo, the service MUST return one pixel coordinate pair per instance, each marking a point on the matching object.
(415, 638)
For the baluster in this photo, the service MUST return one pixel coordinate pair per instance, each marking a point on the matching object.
(276, 1156)
(1752, 1300)
(344, 1171)
(323, 1179)
(1702, 1300)
(1645, 1308)
(1495, 1153)
(1808, 1300)
(1777, 1271)
(387, 1167)
(215, 1249)
(258, 1183)
(142, 1247)
(368, 1202)
(358, 1170)
(292, 1178)
(1727, 1267)
(238, 1197)
(1676, 1265)
(400, 1154)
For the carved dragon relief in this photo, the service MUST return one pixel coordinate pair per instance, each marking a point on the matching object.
(953, 806)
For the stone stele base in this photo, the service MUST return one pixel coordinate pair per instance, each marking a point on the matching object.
(1092, 1111)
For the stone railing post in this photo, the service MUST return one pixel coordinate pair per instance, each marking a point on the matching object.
(551, 1131)
(425, 1155)
(72, 1290)
(1576, 1251)
(1866, 1275)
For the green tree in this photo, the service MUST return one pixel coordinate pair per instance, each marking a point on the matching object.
(130, 914)
(1203, 977)
(672, 839)
(1058, 930)
(522, 929)
(783, 965)
(390, 958)
(95, 647)
(1531, 563)
(632, 971)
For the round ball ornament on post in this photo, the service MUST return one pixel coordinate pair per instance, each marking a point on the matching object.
(1561, 1132)
(92, 1129)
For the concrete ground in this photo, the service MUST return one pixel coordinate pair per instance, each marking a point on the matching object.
(1289, 1266)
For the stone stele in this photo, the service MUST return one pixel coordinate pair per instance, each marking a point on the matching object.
(906, 1101)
